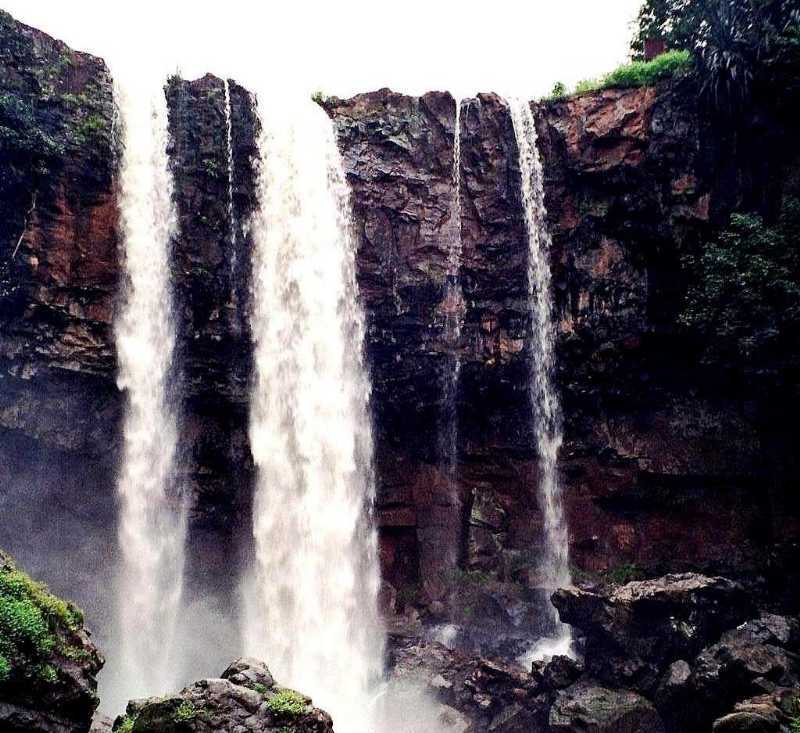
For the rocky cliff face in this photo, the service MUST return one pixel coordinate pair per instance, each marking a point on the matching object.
(666, 465)
(211, 275)
(59, 275)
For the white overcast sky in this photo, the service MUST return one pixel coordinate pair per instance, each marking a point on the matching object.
(344, 47)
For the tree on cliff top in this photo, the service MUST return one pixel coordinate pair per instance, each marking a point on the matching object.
(738, 44)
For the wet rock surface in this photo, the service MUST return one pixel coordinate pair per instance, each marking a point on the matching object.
(244, 698)
(679, 654)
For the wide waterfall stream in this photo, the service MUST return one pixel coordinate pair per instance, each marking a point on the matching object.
(312, 600)
(554, 562)
(152, 515)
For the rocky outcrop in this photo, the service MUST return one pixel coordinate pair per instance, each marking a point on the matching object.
(48, 664)
(492, 696)
(693, 646)
(244, 698)
(637, 630)
(663, 460)
(588, 707)
(210, 268)
(59, 277)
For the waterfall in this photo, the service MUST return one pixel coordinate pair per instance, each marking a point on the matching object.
(152, 515)
(231, 212)
(554, 563)
(311, 607)
(454, 311)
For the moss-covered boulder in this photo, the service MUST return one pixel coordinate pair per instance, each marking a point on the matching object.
(245, 698)
(48, 664)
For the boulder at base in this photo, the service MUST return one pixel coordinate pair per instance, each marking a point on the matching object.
(245, 698)
(588, 708)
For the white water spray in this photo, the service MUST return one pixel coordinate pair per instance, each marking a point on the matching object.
(554, 563)
(152, 515)
(312, 604)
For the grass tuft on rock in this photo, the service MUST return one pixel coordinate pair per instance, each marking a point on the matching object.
(287, 703)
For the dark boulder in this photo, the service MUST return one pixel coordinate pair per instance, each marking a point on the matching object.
(587, 707)
(637, 630)
(757, 658)
(773, 713)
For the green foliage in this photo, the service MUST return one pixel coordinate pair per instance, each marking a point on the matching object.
(33, 623)
(185, 712)
(588, 85)
(288, 703)
(125, 725)
(625, 573)
(23, 628)
(744, 293)
(259, 688)
(641, 73)
(648, 73)
(737, 42)
(558, 91)
(319, 97)
(47, 673)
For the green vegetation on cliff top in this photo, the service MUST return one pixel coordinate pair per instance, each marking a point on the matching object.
(34, 626)
(668, 65)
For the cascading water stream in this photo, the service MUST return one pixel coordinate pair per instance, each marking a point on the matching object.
(231, 210)
(454, 312)
(554, 563)
(152, 515)
(311, 607)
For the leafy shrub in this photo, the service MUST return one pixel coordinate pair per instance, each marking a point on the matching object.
(559, 90)
(287, 702)
(185, 712)
(744, 293)
(125, 725)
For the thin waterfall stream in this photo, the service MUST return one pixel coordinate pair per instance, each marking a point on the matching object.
(547, 420)
(231, 209)
(311, 604)
(454, 311)
(152, 514)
